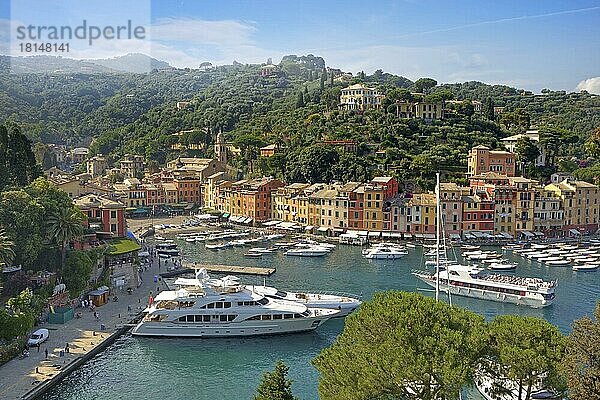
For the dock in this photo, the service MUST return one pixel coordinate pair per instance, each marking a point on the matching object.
(221, 269)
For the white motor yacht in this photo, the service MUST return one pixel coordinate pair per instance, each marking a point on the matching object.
(225, 308)
(384, 252)
(309, 251)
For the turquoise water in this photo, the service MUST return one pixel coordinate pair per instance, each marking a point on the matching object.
(140, 368)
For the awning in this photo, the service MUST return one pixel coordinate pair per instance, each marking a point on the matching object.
(506, 235)
(363, 233)
(527, 234)
(248, 220)
(225, 215)
(374, 234)
(338, 230)
(428, 236)
(574, 232)
(468, 235)
(454, 236)
(395, 235)
(271, 223)
(386, 235)
(351, 232)
(322, 229)
(538, 233)
(287, 225)
(309, 228)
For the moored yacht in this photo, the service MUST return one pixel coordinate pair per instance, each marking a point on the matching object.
(308, 251)
(225, 308)
(384, 252)
(470, 281)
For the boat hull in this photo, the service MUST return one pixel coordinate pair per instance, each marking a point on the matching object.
(240, 329)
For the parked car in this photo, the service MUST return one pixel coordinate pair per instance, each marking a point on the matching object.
(38, 337)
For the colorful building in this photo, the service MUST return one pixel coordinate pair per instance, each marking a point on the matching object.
(104, 215)
(481, 159)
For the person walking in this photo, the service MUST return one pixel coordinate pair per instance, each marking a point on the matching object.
(46, 353)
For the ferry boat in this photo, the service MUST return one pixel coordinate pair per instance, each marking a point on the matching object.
(225, 308)
(473, 282)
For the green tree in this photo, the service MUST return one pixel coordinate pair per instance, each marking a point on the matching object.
(581, 364)
(64, 225)
(592, 144)
(300, 100)
(517, 121)
(17, 161)
(488, 110)
(527, 152)
(423, 85)
(402, 346)
(21, 215)
(6, 248)
(526, 351)
(275, 385)
(77, 271)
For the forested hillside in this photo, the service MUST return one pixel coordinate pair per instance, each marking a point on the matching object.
(296, 109)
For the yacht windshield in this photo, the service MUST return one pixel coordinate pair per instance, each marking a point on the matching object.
(281, 294)
(263, 301)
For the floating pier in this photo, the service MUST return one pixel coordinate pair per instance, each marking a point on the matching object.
(222, 269)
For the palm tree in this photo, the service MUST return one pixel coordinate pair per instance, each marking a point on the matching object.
(6, 248)
(63, 226)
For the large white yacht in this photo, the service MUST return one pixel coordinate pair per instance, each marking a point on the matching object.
(469, 281)
(308, 251)
(224, 308)
(345, 303)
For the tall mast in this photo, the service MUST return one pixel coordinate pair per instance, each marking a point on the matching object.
(437, 236)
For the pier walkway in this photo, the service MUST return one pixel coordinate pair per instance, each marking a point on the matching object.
(21, 378)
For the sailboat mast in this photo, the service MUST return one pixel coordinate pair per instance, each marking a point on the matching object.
(437, 237)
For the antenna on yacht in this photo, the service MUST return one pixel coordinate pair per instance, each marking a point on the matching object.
(437, 237)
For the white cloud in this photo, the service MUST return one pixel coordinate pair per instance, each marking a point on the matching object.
(203, 32)
(591, 85)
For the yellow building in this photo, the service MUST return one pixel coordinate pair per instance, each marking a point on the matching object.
(373, 207)
(580, 203)
(549, 214)
(429, 111)
(524, 203)
(360, 97)
(422, 215)
(290, 204)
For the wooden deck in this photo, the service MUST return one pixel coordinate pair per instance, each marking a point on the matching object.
(222, 269)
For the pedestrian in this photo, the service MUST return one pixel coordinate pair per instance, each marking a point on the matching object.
(38, 346)
(46, 353)
(67, 347)
(96, 315)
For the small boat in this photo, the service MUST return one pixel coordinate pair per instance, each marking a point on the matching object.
(586, 267)
(469, 247)
(190, 240)
(411, 245)
(503, 266)
(253, 255)
(159, 237)
(218, 246)
(260, 250)
(312, 251)
(559, 263)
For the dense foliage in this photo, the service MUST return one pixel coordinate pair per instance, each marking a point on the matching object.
(275, 385)
(402, 346)
(296, 108)
(581, 364)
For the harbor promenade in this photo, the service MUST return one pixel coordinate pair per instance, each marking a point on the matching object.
(21, 376)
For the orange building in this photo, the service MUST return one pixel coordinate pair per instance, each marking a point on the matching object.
(251, 198)
(482, 159)
(189, 189)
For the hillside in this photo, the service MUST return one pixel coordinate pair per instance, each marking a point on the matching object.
(294, 107)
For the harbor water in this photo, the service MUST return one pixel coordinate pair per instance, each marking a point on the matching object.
(158, 368)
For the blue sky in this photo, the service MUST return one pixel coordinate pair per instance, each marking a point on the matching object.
(527, 44)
